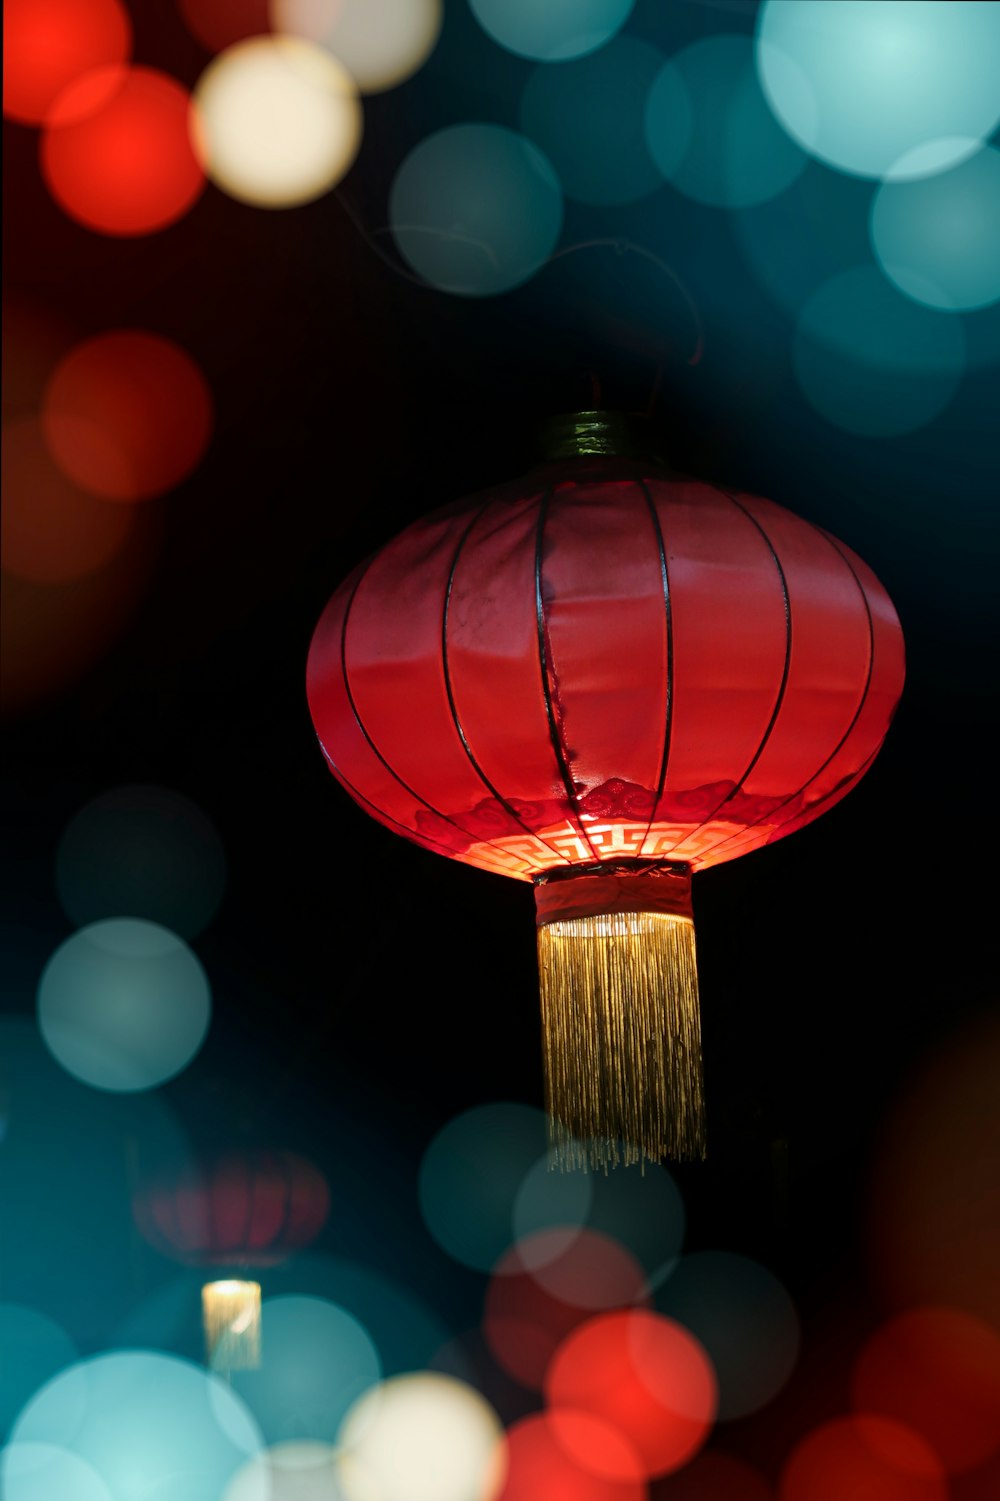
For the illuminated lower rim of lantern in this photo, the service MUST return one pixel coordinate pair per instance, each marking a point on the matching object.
(621, 1023)
(231, 1317)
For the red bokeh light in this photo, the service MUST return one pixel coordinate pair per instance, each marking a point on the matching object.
(51, 531)
(218, 24)
(117, 152)
(525, 1322)
(644, 1375)
(49, 44)
(127, 414)
(938, 1371)
(863, 1459)
(559, 1456)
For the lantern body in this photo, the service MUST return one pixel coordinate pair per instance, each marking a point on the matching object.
(238, 1211)
(602, 663)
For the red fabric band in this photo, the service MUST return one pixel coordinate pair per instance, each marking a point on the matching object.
(631, 891)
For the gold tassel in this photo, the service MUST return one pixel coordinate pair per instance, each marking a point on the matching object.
(622, 1038)
(231, 1316)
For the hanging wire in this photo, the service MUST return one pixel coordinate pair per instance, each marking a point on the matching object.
(615, 243)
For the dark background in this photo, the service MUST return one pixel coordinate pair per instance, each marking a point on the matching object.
(365, 991)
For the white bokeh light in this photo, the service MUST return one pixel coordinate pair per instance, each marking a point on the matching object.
(422, 1437)
(379, 42)
(277, 121)
(863, 83)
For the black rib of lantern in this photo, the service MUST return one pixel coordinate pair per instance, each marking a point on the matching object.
(554, 736)
(854, 719)
(379, 814)
(451, 696)
(782, 686)
(361, 726)
(668, 626)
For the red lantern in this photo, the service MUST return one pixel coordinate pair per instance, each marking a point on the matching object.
(602, 678)
(237, 1213)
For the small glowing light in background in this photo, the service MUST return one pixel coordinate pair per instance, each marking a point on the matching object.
(710, 130)
(525, 1320)
(294, 1471)
(123, 1004)
(231, 1317)
(116, 153)
(41, 1472)
(873, 362)
(720, 1477)
(476, 209)
(553, 32)
(379, 42)
(422, 1437)
(938, 1371)
(588, 118)
(745, 1320)
(937, 238)
(645, 1376)
(473, 1174)
(34, 1349)
(219, 24)
(860, 83)
(862, 1456)
(51, 530)
(147, 1424)
(277, 121)
(317, 1360)
(49, 44)
(546, 1454)
(127, 414)
(141, 851)
(934, 1194)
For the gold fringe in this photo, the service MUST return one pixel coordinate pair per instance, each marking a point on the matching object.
(622, 1039)
(231, 1317)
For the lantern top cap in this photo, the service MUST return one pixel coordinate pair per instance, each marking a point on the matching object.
(625, 435)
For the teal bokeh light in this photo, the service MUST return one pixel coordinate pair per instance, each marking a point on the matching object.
(44, 1472)
(316, 1361)
(476, 210)
(472, 1175)
(551, 30)
(938, 239)
(873, 362)
(589, 119)
(148, 1425)
(124, 1004)
(745, 1320)
(862, 83)
(33, 1348)
(712, 133)
(141, 851)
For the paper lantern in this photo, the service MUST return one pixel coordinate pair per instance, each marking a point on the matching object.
(602, 678)
(236, 1213)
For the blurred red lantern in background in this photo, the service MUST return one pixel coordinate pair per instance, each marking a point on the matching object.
(238, 1213)
(603, 678)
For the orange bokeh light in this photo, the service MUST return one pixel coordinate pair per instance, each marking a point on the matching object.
(938, 1371)
(218, 24)
(127, 414)
(49, 44)
(560, 1455)
(50, 530)
(117, 154)
(644, 1375)
(863, 1458)
(526, 1318)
